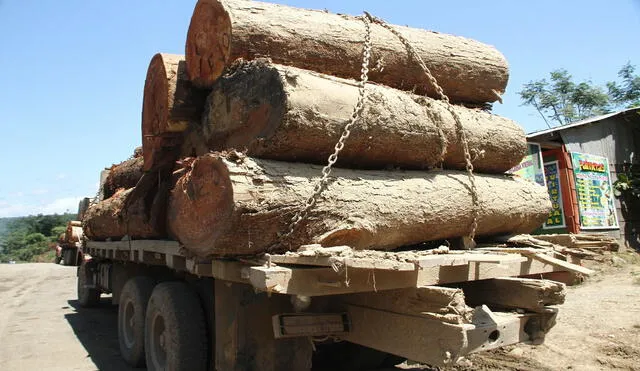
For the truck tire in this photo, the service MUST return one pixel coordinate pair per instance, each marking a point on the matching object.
(87, 297)
(175, 329)
(131, 314)
(346, 356)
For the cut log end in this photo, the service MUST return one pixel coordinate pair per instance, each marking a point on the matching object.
(155, 104)
(169, 104)
(201, 203)
(208, 42)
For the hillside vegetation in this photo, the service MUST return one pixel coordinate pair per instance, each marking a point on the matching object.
(23, 238)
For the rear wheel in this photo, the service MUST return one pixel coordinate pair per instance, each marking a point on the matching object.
(131, 314)
(87, 296)
(175, 329)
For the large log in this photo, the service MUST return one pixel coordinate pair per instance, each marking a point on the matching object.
(285, 113)
(222, 31)
(229, 204)
(169, 103)
(109, 219)
(124, 175)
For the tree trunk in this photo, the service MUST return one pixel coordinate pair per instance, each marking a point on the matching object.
(107, 219)
(228, 204)
(220, 32)
(170, 102)
(123, 176)
(289, 114)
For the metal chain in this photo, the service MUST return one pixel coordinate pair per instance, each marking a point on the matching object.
(346, 132)
(459, 128)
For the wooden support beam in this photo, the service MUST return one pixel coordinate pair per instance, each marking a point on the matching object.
(525, 293)
(325, 281)
(442, 303)
(244, 338)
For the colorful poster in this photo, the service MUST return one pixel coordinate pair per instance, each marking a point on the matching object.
(530, 168)
(593, 188)
(556, 216)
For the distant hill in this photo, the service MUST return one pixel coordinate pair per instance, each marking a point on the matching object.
(4, 224)
(22, 238)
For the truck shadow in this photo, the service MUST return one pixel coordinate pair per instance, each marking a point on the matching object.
(96, 329)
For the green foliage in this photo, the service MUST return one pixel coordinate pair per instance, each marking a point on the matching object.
(562, 101)
(27, 237)
(628, 183)
(628, 92)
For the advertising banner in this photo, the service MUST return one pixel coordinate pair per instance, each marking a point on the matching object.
(593, 188)
(556, 216)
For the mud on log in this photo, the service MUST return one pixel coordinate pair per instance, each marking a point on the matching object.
(123, 176)
(221, 31)
(235, 205)
(289, 114)
(108, 219)
(170, 102)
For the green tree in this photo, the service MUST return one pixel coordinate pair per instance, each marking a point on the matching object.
(627, 93)
(560, 100)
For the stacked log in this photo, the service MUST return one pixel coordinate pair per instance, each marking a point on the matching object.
(228, 204)
(289, 114)
(170, 103)
(124, 175)
(73, 233)
(109, 219)
(232, 142)
(223, 31)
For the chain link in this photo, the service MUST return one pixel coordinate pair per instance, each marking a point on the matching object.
(462, 136)
(364, 77)
(346, 132)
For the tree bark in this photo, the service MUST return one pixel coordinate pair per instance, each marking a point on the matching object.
(169, 103)
(108, 219)
(289, 114)
(123, 176)
(222, 31)
(229, 204)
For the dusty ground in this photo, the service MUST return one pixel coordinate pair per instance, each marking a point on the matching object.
(42, 328)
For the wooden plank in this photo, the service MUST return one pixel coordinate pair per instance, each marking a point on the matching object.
(407, 336)
(159, 246)
(563, 264)
(325, 281)
(510, 292)
(442, 303)
(341, 262)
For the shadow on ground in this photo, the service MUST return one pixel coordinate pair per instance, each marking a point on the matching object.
(96, 329)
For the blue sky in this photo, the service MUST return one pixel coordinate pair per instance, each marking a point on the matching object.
(73, 72)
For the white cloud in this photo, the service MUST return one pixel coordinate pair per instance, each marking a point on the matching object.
(39, 191)
(61, 176)
(58, 206)
(62, 205)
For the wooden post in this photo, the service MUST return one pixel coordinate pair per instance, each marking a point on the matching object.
(244, 338)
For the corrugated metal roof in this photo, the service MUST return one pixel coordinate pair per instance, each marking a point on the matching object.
(582, 122)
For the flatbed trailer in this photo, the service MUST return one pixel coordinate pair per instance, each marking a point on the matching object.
(290, 311)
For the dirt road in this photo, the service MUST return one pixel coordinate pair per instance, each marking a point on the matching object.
(42, 327)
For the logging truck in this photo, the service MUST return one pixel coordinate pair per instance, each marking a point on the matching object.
(230, 260)
(318, 307)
